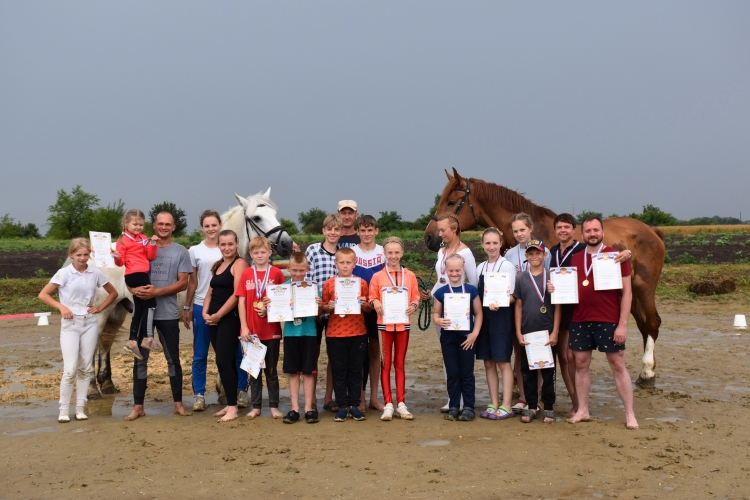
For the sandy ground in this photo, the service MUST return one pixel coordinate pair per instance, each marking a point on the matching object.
(693, 441)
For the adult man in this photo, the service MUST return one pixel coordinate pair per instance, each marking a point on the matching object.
(169, 276)
(600, 320)
(349, 215)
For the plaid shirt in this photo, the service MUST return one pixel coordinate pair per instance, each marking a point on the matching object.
(322, 266)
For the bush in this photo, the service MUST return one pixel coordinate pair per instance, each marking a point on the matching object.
(289, 226)
(108, 219)
(586, 214)
(71, 215)
(667, 258)
(40, 273)
(654, 216)
(412, 260)
(179, 215)
(9, 228)
(312, 220)
(685, 258)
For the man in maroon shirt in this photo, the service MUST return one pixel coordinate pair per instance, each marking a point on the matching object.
(600, 321)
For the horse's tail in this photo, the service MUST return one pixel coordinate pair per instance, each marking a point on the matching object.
(659, 233)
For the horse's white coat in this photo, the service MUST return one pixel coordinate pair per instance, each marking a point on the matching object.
(257, 206)
(647, 372)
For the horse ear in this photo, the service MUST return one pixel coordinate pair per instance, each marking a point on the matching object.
(242, 201)
(449, 175)
(267, 194)
(456, 174)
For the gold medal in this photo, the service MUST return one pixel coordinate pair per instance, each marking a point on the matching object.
(257, 304)
(585, 283)
(543, 310)
(442, 280)
(394, 289)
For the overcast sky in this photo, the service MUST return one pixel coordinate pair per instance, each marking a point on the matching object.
(608, 105)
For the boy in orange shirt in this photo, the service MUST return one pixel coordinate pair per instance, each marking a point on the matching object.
(346, 340)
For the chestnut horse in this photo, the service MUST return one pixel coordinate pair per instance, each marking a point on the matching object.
(475, 201)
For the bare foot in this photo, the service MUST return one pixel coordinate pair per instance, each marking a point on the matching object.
(275, 413)
(221, 413)
(375, 405)
(253, 413)
(136, 413)
(179, 409)
(579, 417)
(631, 422)
(570, 414)
(230, 413)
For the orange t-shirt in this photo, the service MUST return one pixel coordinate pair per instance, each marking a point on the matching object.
(350, 325)
(246, 288)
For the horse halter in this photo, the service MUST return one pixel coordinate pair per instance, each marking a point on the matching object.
(278, 229)
(461, 203)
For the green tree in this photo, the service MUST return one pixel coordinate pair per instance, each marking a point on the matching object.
(108, 219)
(312, 220)
(586, 214)
(71, 214)
(290, 226)
(392, 221)
(9, 228)
(423, 220)
(180, 217)
(654, 216)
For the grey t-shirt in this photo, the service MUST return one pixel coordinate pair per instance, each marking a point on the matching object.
(170, 260)
(532, 319)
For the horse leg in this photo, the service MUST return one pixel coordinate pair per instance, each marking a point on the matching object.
(648, 321)
(104, 375)
(94, 392)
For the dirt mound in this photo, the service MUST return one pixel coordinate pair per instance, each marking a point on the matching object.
(712, 287)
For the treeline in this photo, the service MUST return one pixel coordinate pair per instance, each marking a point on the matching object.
(654, 216)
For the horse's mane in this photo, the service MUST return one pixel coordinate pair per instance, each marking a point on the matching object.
(511, 199)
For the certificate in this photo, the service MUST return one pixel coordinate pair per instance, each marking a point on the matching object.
(607, 273)
(496, 289)
(253, 356)
(101, 244)
(395, 302)
(280, 308)
(304, 294)
(457, 308)
(346, 296)
(538, 354)
(565, 280)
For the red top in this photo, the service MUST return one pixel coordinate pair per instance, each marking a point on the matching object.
(350, 325)
(596, 305)
(135, 253)
(257, 325)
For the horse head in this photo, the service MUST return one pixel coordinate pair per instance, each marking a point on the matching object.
(456, 199)
(259, 214)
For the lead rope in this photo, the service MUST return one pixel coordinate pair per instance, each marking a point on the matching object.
(425, 307)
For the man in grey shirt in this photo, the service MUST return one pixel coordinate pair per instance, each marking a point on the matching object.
(169, 276)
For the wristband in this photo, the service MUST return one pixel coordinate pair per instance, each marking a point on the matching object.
(185, 308)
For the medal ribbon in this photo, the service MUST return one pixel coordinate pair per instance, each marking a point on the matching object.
(262, 288)
(388, 272)
(544, 285)
(493, 265)
(445, 256)
(143, 241)
(589, 268)
(565, 255)
(522, 266)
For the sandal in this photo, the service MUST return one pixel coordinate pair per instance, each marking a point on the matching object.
(529, 415)
(489, 411)
(467, 415)
(331, 406)
(502, 413)
(520, 405)
(547, 415)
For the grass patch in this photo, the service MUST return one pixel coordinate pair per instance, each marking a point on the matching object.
(725, 228)
(676, 278)
(18, 296)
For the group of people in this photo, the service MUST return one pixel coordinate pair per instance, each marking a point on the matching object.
(227, 301)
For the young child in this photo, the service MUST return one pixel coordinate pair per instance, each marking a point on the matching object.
(134, 250)
(458, 345)
(301, 350)
(76, 285)
(535, 312)
(251, 292)
(495, 342)
(370, 260)
(346, 341)
(321, 258)
(394, 275)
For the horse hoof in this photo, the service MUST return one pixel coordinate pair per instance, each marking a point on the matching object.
(94, 395)
(646, 383)
(110, 389)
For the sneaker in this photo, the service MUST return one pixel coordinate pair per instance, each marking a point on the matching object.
(131, 347)
(80, 415)
(199, 403)
(387, 412)
(452, 414)
(446, 408)
(311, 416)
(155, 345)
(341, 415)
(403, 412)
(63, 418)
(356, 414)
(291, 418)
(243, 399)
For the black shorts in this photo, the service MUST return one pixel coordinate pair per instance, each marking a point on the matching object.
(300, 355)
(320, 326)
(371, 325)
(594, 335)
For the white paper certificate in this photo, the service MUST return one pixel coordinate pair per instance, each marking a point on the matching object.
(457, 308)
(101, 244)
(347, 296)
(565, 280)
(395, 302)
(304, 294)
(280, 308)
(253, 356)
(538, 354)
(607, 273)
(496, 289)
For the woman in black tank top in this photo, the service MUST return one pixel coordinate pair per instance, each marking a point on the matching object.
(223, 318)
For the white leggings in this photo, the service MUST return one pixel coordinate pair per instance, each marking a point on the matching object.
(78, 340)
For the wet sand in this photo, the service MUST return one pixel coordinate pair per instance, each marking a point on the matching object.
(693, 441)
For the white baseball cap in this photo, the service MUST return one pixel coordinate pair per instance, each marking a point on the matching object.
(348, 204)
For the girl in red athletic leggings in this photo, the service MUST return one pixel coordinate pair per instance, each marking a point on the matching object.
(394, 278)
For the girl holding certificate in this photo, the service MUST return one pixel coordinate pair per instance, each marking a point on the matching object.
(449, 231)
(495, 340)
(458, 313)
(394, 294)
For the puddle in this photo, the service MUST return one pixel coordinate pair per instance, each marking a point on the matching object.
(434, 442)
(484, 439)
(671, 419)
(28, 432)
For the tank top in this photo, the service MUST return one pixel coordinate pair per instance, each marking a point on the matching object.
(222, 288)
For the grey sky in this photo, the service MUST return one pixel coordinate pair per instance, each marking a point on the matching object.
(606, 105)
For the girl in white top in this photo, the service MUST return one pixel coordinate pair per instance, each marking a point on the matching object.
(76, 285)
(449, 231)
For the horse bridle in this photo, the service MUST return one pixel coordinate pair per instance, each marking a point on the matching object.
(266, 234)
(461, 203)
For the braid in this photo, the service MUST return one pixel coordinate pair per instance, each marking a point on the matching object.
(454, 223)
